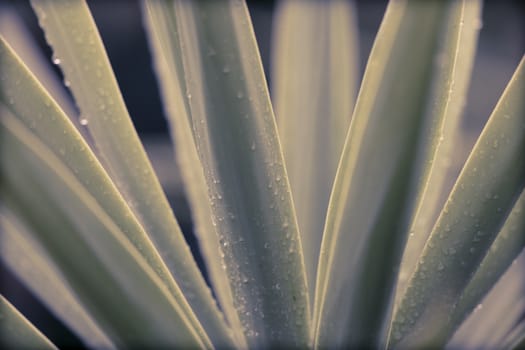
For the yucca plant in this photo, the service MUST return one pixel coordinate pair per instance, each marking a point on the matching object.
(302, 219)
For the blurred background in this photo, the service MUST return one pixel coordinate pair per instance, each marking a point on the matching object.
(501, 46)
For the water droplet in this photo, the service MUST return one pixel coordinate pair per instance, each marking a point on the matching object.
(83, 121)
(56, 60)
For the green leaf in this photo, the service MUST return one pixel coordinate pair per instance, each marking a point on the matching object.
(394, 133)
(106, 271)
(508, 244)
(494, 317)
(457, 62)
(17, 332)
(314, 86)
(165, 46)
(77, 46)
(48, 122)
(16, 33)
(27, 259)
(236, 141)
(483, 196)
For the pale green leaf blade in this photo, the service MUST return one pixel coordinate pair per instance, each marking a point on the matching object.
(392, 137)
(17, 332)
(237, 143)
(17, 34)
(486, 190)
(315, 74)
(26, 258)
(508, 244)
(42, 115)
(106, 271)
(492, 319)
(457, 61)
(161, 28)
(72, 33)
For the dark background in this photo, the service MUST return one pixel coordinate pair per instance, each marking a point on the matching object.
(500, 48)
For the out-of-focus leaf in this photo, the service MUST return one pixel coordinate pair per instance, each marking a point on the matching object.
(314, 86)
(26, 258)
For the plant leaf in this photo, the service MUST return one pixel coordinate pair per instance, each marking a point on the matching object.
(314, 86)
(18, 36)
(164, 43)
(508, 244)
(17, 332)
(504, 306)
(48, 122)
(73, 35)
(26, 258)
(457, 63)
(483, 196)
(394, 133)
(237, 144)
(90, 248)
